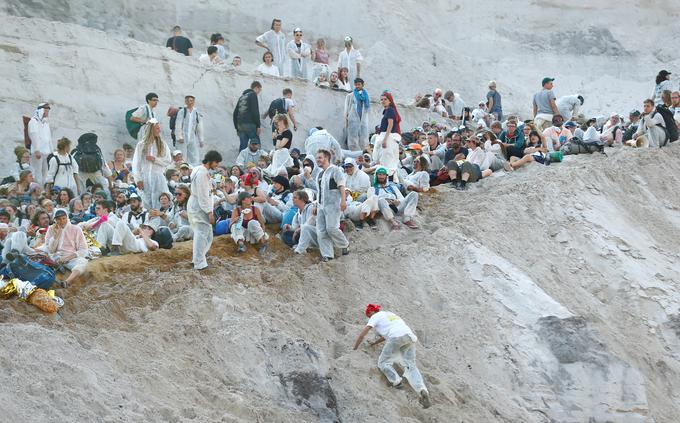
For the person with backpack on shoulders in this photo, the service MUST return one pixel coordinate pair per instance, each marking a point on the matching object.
(136, 213)
(41, 142)
(200, 208)
(144, 113)
(247, 115)
(189, 123)
(62, 168)
(284, 105)
(92, 168)
(152, 157)
(652, 128)
(400, 346)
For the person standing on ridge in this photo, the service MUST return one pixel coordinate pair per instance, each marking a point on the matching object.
(357, 105)
(274, 41)
(247, 115)
(493, 99)
(400, 345)
(544, 105)
(41, 142)
(200, 208)
(351, 59)
(190, 133)
(179, 43)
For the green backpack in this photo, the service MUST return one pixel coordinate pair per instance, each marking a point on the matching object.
(132, 127)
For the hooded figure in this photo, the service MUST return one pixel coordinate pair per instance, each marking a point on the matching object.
(321, 139)
(41, 142)
(357, 105)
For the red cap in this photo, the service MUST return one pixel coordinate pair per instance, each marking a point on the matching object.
(372, 308)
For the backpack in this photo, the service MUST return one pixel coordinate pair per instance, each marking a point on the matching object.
(87, 154)
(22, 268)
(132, 127)
(27, 138)
(277, 106)
(670, 128)
(59, 163)
(578, 146)
(130, 216)
(163, 237)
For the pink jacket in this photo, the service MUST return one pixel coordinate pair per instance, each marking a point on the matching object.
(71, 241)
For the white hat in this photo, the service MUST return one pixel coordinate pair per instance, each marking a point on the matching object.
(176, 152)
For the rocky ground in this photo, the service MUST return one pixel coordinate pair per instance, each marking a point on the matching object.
(546, 295)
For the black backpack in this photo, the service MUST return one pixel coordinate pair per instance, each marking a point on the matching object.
(163, 237)
(59, 163)
(670, 128)
(88, 155)
(276, 107)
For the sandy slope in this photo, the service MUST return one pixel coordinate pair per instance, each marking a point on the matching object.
(550, 293)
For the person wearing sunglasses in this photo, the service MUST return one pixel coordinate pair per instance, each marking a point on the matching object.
(299, 55)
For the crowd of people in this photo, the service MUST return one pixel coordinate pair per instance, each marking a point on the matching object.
(63, 204)
(284, 56)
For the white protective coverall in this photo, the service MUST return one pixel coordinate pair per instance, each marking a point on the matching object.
(199, 207)
(151, 173)
(190, 135)
(648, 128)
(387, 157)
(328, 212)
(276, 43)
(407, 205)
(321, 139)
(41, 142)
(357, 126)
(349, 61)
(299, 59)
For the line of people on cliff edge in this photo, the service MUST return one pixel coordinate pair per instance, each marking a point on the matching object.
(284, 57)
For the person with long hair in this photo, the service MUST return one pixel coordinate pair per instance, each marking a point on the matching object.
(343, 80)
(200, 208)
(274, 41)
(267, 67)
(320, 58)
(152, 157)
(386, 149)
(119, 168)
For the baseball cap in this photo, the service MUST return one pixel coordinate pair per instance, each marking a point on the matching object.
(59, 213)
(634, 113)
(547, 79)
(176, 152)
(184, 166)
(134, 196)
(570, 124)
(253, 141)
(349, 162)
(665, 72)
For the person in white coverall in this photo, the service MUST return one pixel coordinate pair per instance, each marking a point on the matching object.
(357, 105)
(351, 59)
(299, 56)
(331, 191)
(274, 41)
(151, 158)
(321, 139)
(41, 142)
(200, 208)
(190, 133)
(400, 346)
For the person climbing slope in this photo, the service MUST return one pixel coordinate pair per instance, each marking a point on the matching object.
(400, 345)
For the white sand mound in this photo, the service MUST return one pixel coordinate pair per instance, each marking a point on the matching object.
(550, 294)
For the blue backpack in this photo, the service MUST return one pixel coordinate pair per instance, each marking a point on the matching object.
(22, 268)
